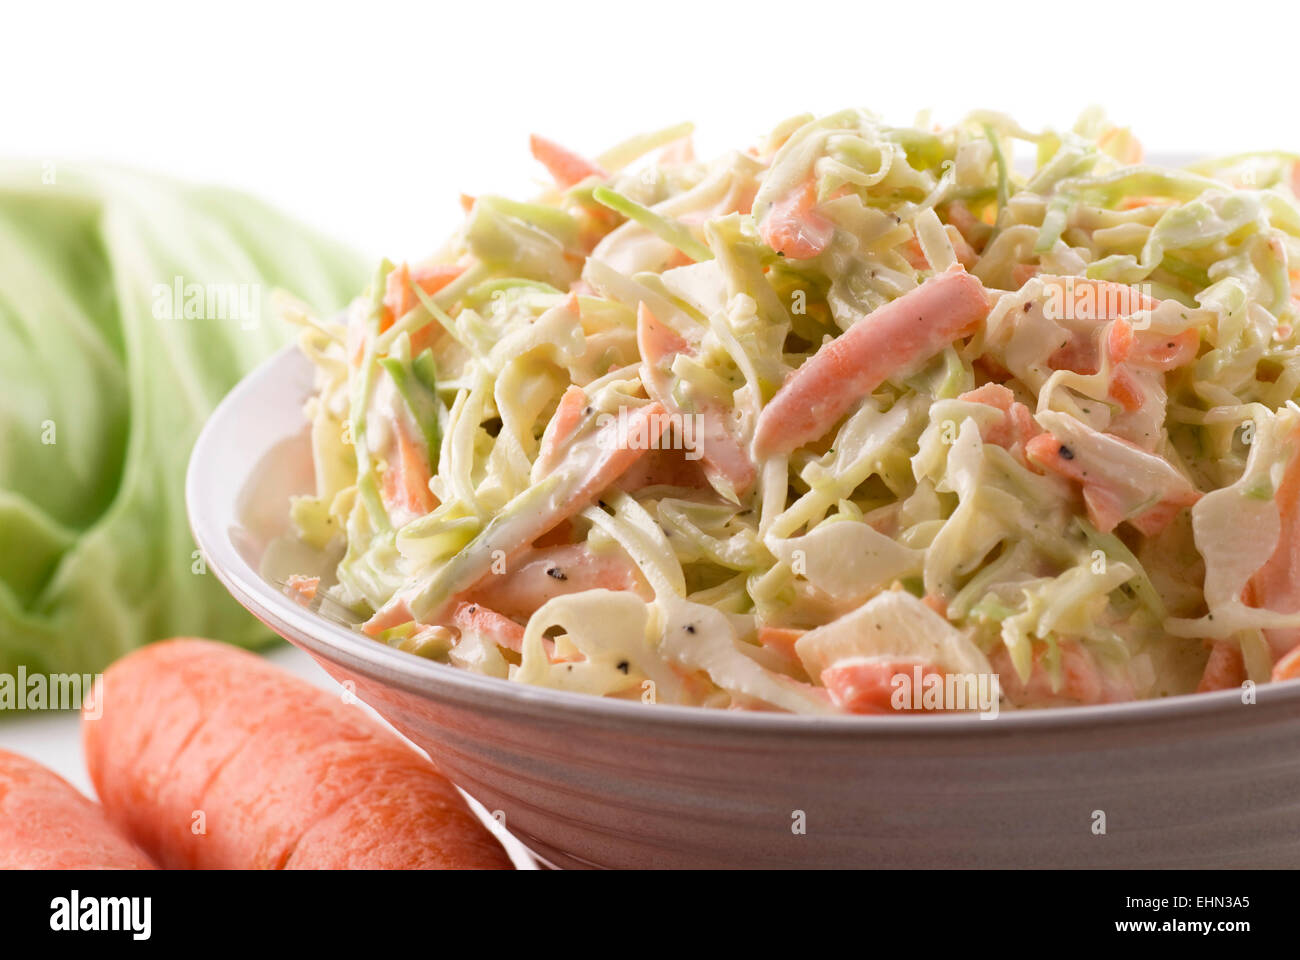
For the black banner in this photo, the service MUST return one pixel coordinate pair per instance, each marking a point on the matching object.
(912, 909)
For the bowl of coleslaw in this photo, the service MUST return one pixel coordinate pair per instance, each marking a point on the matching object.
(867, 497)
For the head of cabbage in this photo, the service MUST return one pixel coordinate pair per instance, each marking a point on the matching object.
(129, 305)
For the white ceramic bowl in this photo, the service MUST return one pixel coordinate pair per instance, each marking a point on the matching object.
(1188, 781)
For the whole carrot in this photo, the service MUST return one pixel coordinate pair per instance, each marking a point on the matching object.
(45, 824)
(209, 757)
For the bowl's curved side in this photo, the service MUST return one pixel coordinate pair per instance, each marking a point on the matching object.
(1221, 791)
(1204, 781)
(1207, 796)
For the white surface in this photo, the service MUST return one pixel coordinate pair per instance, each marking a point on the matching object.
(368, 120)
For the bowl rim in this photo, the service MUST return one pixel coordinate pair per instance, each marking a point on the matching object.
(423, 677)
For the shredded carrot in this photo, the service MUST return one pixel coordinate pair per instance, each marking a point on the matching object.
(1225, 668)
(565, 167)
(794, 228)
(303, 588)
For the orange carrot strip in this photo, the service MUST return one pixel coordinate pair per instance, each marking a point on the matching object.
(793, 227)
(716, 446)
(867, 686)
(1081, 678)
(1166, 352)
(914, 254)
(1152, 521)
(211, 758)
(1125, 390)
(562, 426)
(399, 295)
(302, 588)
(966, 254)
(1107, 508)
(1119, 342)
(891, 340)
(618, 446)
(406, 482)
(1226, 668)
(1276, 585)
(1288, 668)
(557, 536)
(565, 167)
(1017, 427)
(1099, 300)
(473, 616)
(781, 641)
(541, 574)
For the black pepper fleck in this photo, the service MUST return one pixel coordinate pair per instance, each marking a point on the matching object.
(555, 573)
(623, 665)
(1065, 452)
(690, 628)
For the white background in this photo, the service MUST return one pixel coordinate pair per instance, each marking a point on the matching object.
(368, 120)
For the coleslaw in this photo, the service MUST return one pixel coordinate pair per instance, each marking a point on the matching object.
(857, 403)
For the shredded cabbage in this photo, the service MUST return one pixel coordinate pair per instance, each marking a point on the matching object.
(858, 397)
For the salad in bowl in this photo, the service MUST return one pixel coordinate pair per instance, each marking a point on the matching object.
(845, 414)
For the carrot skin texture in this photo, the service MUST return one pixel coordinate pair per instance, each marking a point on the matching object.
(46, 824)
(211, 758)
(903, 332)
